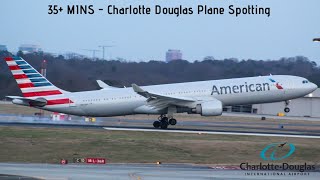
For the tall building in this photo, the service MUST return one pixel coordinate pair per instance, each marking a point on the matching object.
(173, 54)
(29, 48)
(3, 48)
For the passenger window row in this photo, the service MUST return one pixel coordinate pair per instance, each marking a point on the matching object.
(129, 97)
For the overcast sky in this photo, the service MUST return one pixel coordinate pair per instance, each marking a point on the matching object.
(287, 32)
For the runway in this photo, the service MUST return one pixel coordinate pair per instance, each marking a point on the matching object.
(143, 171)
(228, 127)
(171, 130)
(193, 131)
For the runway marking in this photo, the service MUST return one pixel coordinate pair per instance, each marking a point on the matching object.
(212, 132)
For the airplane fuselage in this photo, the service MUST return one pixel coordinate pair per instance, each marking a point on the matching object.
(239, 91)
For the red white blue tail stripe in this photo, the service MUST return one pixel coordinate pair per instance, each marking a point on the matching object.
(32, 84)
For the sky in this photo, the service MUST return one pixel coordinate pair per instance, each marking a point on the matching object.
(287, 32)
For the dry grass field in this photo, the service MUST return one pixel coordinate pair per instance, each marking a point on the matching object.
(44, 145)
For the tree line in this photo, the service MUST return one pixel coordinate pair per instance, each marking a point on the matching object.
(81, 74)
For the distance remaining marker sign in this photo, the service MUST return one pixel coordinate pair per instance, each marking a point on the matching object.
(96, 161)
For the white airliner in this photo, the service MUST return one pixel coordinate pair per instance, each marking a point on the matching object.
(206, 98)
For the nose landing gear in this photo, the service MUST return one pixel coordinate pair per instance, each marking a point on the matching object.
(287, 109)
(164, 122)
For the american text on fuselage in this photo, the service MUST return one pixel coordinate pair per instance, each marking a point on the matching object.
(240, 88)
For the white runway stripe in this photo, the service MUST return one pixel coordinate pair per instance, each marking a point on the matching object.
(212, 132)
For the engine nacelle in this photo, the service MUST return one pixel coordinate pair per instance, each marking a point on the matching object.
(209, 108)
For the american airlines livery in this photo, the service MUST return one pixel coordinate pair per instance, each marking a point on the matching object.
(206, 98)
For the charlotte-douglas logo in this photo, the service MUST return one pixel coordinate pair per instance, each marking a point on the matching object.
(276, 152)
(276, 148)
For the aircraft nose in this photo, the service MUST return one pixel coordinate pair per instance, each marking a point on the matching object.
(313, 86)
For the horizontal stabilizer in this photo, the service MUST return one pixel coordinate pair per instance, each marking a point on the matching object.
(38, 102)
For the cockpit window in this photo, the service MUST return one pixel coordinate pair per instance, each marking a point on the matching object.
(304, 81)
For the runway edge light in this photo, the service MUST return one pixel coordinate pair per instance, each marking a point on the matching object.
(63, 161)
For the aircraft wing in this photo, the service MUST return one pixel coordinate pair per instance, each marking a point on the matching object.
(160, 101)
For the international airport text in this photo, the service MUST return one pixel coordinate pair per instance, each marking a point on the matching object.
(274, 167)
(177, 10)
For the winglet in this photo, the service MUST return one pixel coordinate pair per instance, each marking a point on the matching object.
(137, 89)
(103, 85)
(140, 91)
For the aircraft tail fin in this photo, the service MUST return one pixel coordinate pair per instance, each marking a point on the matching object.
(32, 84)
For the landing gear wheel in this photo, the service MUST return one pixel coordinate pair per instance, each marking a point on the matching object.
(164, 124)
(286, 109)
(156, 124)
(172, 122)
(164, 119)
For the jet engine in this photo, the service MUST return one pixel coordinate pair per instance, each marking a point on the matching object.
(209, 108)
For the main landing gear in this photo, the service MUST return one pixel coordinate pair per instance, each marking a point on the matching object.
(164, 122)
(287, 109)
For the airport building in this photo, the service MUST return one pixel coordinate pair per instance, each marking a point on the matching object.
(29, 48)
(307, 106)
(173, 54)
(3, 48)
